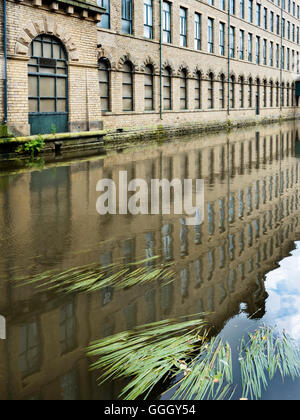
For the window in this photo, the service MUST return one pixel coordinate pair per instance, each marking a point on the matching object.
(67, 327)
(271, 54)
(183, 90)
(242, 36)
(232, 6)
(167, 88)
(258, 14)
(167, 22)
(250, 11)
(127, 87)
(249, 47)
(277, 94)
(149, 88)
(104, 81)
(242, 83)
(232, 92)
(231, 41)
(222, 92)
(242, 9)
(105, 19)
(198, 91)
(282, 95)
(265, 18)
(148, 19)
(250, 84)
(210, 97)
(29, 348)
(265, 94)
(265, 52)
(127, 16)
(271, 93)
(257, 50)
(222, 4)
(183, 27)
(210, 35)
(272, 21)
(222, 38)
(197, 31)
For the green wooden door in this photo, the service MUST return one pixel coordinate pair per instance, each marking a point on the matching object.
(48, 86)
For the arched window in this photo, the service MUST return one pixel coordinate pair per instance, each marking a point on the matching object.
(257, 95)
(198, 90)
(292, 94)
(242, 92)
(47, 85)
(127, 85)
(104, 81)
(265, 94)
(271, 93)
(183, 90)
(288, 94)
(210, 96)
(222, 91)
(149, 88)
(232, 92)
(167, 88)
(250, 84)
(277, 94)
(282, 94)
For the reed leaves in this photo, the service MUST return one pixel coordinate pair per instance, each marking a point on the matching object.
(180, 352)
(94, 277)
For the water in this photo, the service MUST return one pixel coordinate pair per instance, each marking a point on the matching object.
(242, 264)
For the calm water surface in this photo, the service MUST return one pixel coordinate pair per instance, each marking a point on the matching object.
(242, 263)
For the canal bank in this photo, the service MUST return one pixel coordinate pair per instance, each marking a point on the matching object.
(118, 139)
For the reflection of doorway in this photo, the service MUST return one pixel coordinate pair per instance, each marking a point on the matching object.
(48, 86)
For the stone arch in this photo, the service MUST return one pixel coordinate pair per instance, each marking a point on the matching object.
(241, 78)
(149, 62)
(197, 71)
(221, 75)
(209, 72)
(183, 67)
(128, 58)
(169, 64)
(47, 26)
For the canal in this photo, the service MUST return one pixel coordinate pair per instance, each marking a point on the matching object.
(241, 265)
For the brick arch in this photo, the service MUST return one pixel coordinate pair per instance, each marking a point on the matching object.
(46, 26)
(197, 71)
(148, 61)
(183, 67)
(169, 64)
(124, 59)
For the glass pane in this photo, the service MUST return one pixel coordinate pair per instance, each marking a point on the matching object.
(33, 86)
(56, 51)
(103, 76)
(127, 78)
(37, 49)
(61, 87)
(61, 105)
(148, 105)
(47, 70)
(47, 105)
(47, 51)
(104, 90)
(148, 92)
(127, 105)
(47, 86)
(104, 104)
(33, 105)
(127, 91)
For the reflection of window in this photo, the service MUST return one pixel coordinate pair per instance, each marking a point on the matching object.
(167, 242)
(67, 327)
(29, 348)
(184, 274)
(150, 248)
(70, 386)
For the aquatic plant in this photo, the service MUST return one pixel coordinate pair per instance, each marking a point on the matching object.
(93, 277)
(199, 367)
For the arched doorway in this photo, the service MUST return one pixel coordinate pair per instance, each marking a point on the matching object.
(48, 86)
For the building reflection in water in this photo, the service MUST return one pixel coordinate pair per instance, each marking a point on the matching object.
(250, 225)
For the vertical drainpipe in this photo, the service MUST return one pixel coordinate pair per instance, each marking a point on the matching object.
(5, 57)
(160, 62)
(228, 56)
(281, 45)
